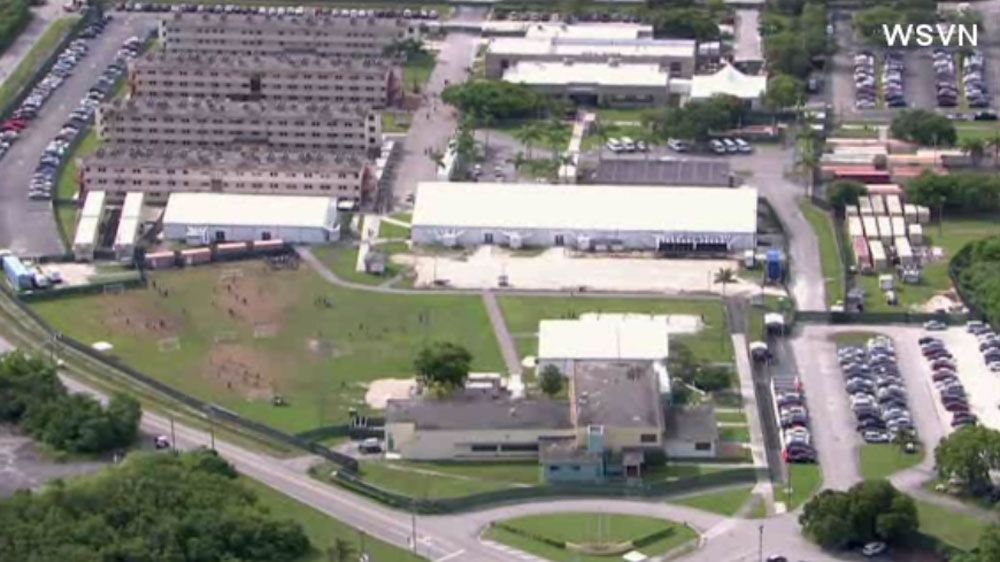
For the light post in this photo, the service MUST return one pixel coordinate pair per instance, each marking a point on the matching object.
(760, 543)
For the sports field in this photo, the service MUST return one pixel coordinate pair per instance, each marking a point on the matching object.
(238, 334)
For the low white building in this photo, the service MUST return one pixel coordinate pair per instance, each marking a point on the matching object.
(605, 83)
(202, 218)
(128, 225)
(680, 220)
(88, 227)
(731, 82)
(602, 337)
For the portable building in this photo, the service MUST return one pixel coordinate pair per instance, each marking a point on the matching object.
(877, 251)
(865, 206)
(910, 213)
(885, 229)
(898, 226)
(862, 254)
(916, 233)
(85, 241)
(904, 252)
(871, 226)
(855, 227)
(893, 206)
(17, 274)
(128, 225)
(878, 204)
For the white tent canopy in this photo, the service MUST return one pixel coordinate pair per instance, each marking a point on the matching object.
(728, 81)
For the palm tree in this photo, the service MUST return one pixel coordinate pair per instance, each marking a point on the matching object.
(808, 161)
(974, 148)
(528, 135)
(725, 276)
(340, 551)
(994, 143)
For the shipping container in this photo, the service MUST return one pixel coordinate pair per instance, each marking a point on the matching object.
(269, 246)
(775, 266)
(847, 159)
(863, 174)
(916, 233)
(865, 206)
(885, 230)
(196, 256)
(231, 249)
(871, 226)
(878, 205)
(910, 213)
(885, 189)
(19, 277)
(851, 211)
(855, 227)
(904, 252)
(877, 252)
(862, 255)
(161, 260)
(898, 226)
(893, 206)
(923, 214)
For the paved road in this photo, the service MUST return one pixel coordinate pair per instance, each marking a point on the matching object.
(28, 227)
(41, 17)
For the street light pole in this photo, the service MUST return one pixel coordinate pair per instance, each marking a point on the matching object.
(760, 543)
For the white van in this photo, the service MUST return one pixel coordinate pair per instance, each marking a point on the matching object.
(743, 146)
(717, 146)
(628, 145)
(730, 145)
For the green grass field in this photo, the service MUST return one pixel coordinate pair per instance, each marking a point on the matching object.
(342, 258)
(712, 344)
(417, 72)
(390, 230)
(315, 344)
(68, 184)
(323, 530)
(956, 529)
(35, 57)
(833, 267)
(436, 480)
(586, 528)
(734, 434)
(725, 502)
(977, 130)
(805, 479)
(731, 417)
(885, 459)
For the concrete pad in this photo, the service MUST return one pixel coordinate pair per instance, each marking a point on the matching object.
(380, 391)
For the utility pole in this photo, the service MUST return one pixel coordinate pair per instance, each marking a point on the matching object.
(760, 543)
(211, 425)
(173, 436)
(413, 524)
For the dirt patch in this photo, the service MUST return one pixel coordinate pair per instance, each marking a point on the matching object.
(134, 314)
(325, 349)
(244, 296)
(243, 370)
(381, 391)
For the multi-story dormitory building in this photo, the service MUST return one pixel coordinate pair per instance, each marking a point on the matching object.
(257, 34)
(160, 171)
(207, 122)
(291, 77)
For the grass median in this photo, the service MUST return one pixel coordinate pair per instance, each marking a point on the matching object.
(725, 502)
(829, 253)
(885, 459)
(805, 480)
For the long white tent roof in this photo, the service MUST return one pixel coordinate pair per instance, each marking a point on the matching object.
(586, 207)
(232, 209)
(727, 80)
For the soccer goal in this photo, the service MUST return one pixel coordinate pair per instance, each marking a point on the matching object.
(231, 274)
(265, 331)
(226, 337)
(114, 289)
(169, 344)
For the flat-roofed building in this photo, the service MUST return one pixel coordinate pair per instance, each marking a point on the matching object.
(668, 173)
(290, 77)
(676, 56)
(603, 337)
(688, 220)
(608, 83)
(250, 34)
(205, 122)
(590, 30)
(203, 218)
(160, 171)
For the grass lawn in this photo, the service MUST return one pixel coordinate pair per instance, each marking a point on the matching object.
(405, 216)
(731, 417)
(322, 530)
(844, 339)
(726, 502)
(833, 267)
(885, 459)
(805, 479)
(976, 130)
(68, 184)
(958, 530)
(734, 434)
(66, 214)
(417, 71)
(392, 122)
(671, 471)
(390, 230)
(585, 527)
(627, 115)
(35, 57)
(315, 344)
(435, 480)
(342, 258)
(712, 344)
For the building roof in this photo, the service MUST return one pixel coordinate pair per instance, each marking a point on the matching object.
(244, 159)
(479, 413)
(203, 108)
(279, 62)
(727, 80)
(335, 25)
(695, 424)
(586, 207)
(569, 72)
(616, 394)
(210, 209)
(612, 336)
(536, 30)
(747, 37)
(701, 173)
(599, 47)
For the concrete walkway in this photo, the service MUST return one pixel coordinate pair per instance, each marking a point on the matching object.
(507, 347)
(752, 412)
(369, 232)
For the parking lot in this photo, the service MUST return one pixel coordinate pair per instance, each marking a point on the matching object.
(981, 386)
(28, 226)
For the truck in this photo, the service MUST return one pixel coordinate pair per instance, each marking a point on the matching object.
(19, 276)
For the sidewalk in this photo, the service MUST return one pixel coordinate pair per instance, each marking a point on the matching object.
(42, 17)
(745, 371)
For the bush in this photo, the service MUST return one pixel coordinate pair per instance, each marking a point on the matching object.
(496, 100)
(868, 511)
(14, 17)
(924, 127)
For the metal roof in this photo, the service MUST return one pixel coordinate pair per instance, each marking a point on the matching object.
(674, 172)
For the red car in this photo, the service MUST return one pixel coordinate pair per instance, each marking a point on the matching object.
(14, 125)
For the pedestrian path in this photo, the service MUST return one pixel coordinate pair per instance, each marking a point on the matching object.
(757, 452)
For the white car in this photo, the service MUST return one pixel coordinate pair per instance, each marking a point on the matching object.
(743, 146)
(874, 549)
(627, 144)
(731, 146)
(717, 146)
(613, 145)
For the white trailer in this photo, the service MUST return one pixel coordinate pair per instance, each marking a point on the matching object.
(85, 241)
(851, 211)
(898, 226)
(885, 229)
(871, 226)
(923, 214)
(893, 206)
(877, 251)
(878, 204)
(904, 252)
(855, 227)
(128, 225)
(865, 206)
(910, 213)
(916, 233)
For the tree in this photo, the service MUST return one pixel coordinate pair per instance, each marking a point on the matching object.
(842, 193)
(924, 127)
(713, 378)
(498, 99)
(973, 147)
(784, 90)
(681, 363)
(987, 550)
(868, 511)
(529, 135)
(444, 365)
(697, 120)
(340, 551)
(551, 380)
(686, 23)
(724, 276)
(969, 455)
(807, 162)
(994, 144)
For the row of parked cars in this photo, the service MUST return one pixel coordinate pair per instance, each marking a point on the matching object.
(865, 90)
(728, 145)
(409, 13)
(893, 69)
(877, 393)
(626, 144)
(973, 79)
(500, 13)
(945, 77)
(944, 374)
(989, 344)
(46, 176)
(866, 83)
(793, 416)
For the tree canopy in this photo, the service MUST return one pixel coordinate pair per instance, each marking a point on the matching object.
(14, 17)
(841, 193)
(152, 508)
(924, 127)
(551, 380)
(966, 192)
(977, 268)
(443, 364)
(987, 550)
(970, 453)
(784, 90)
(495, 99)
(32, 396)
(697, 119)
(685, 22)
(868, 511)
(794, 35)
